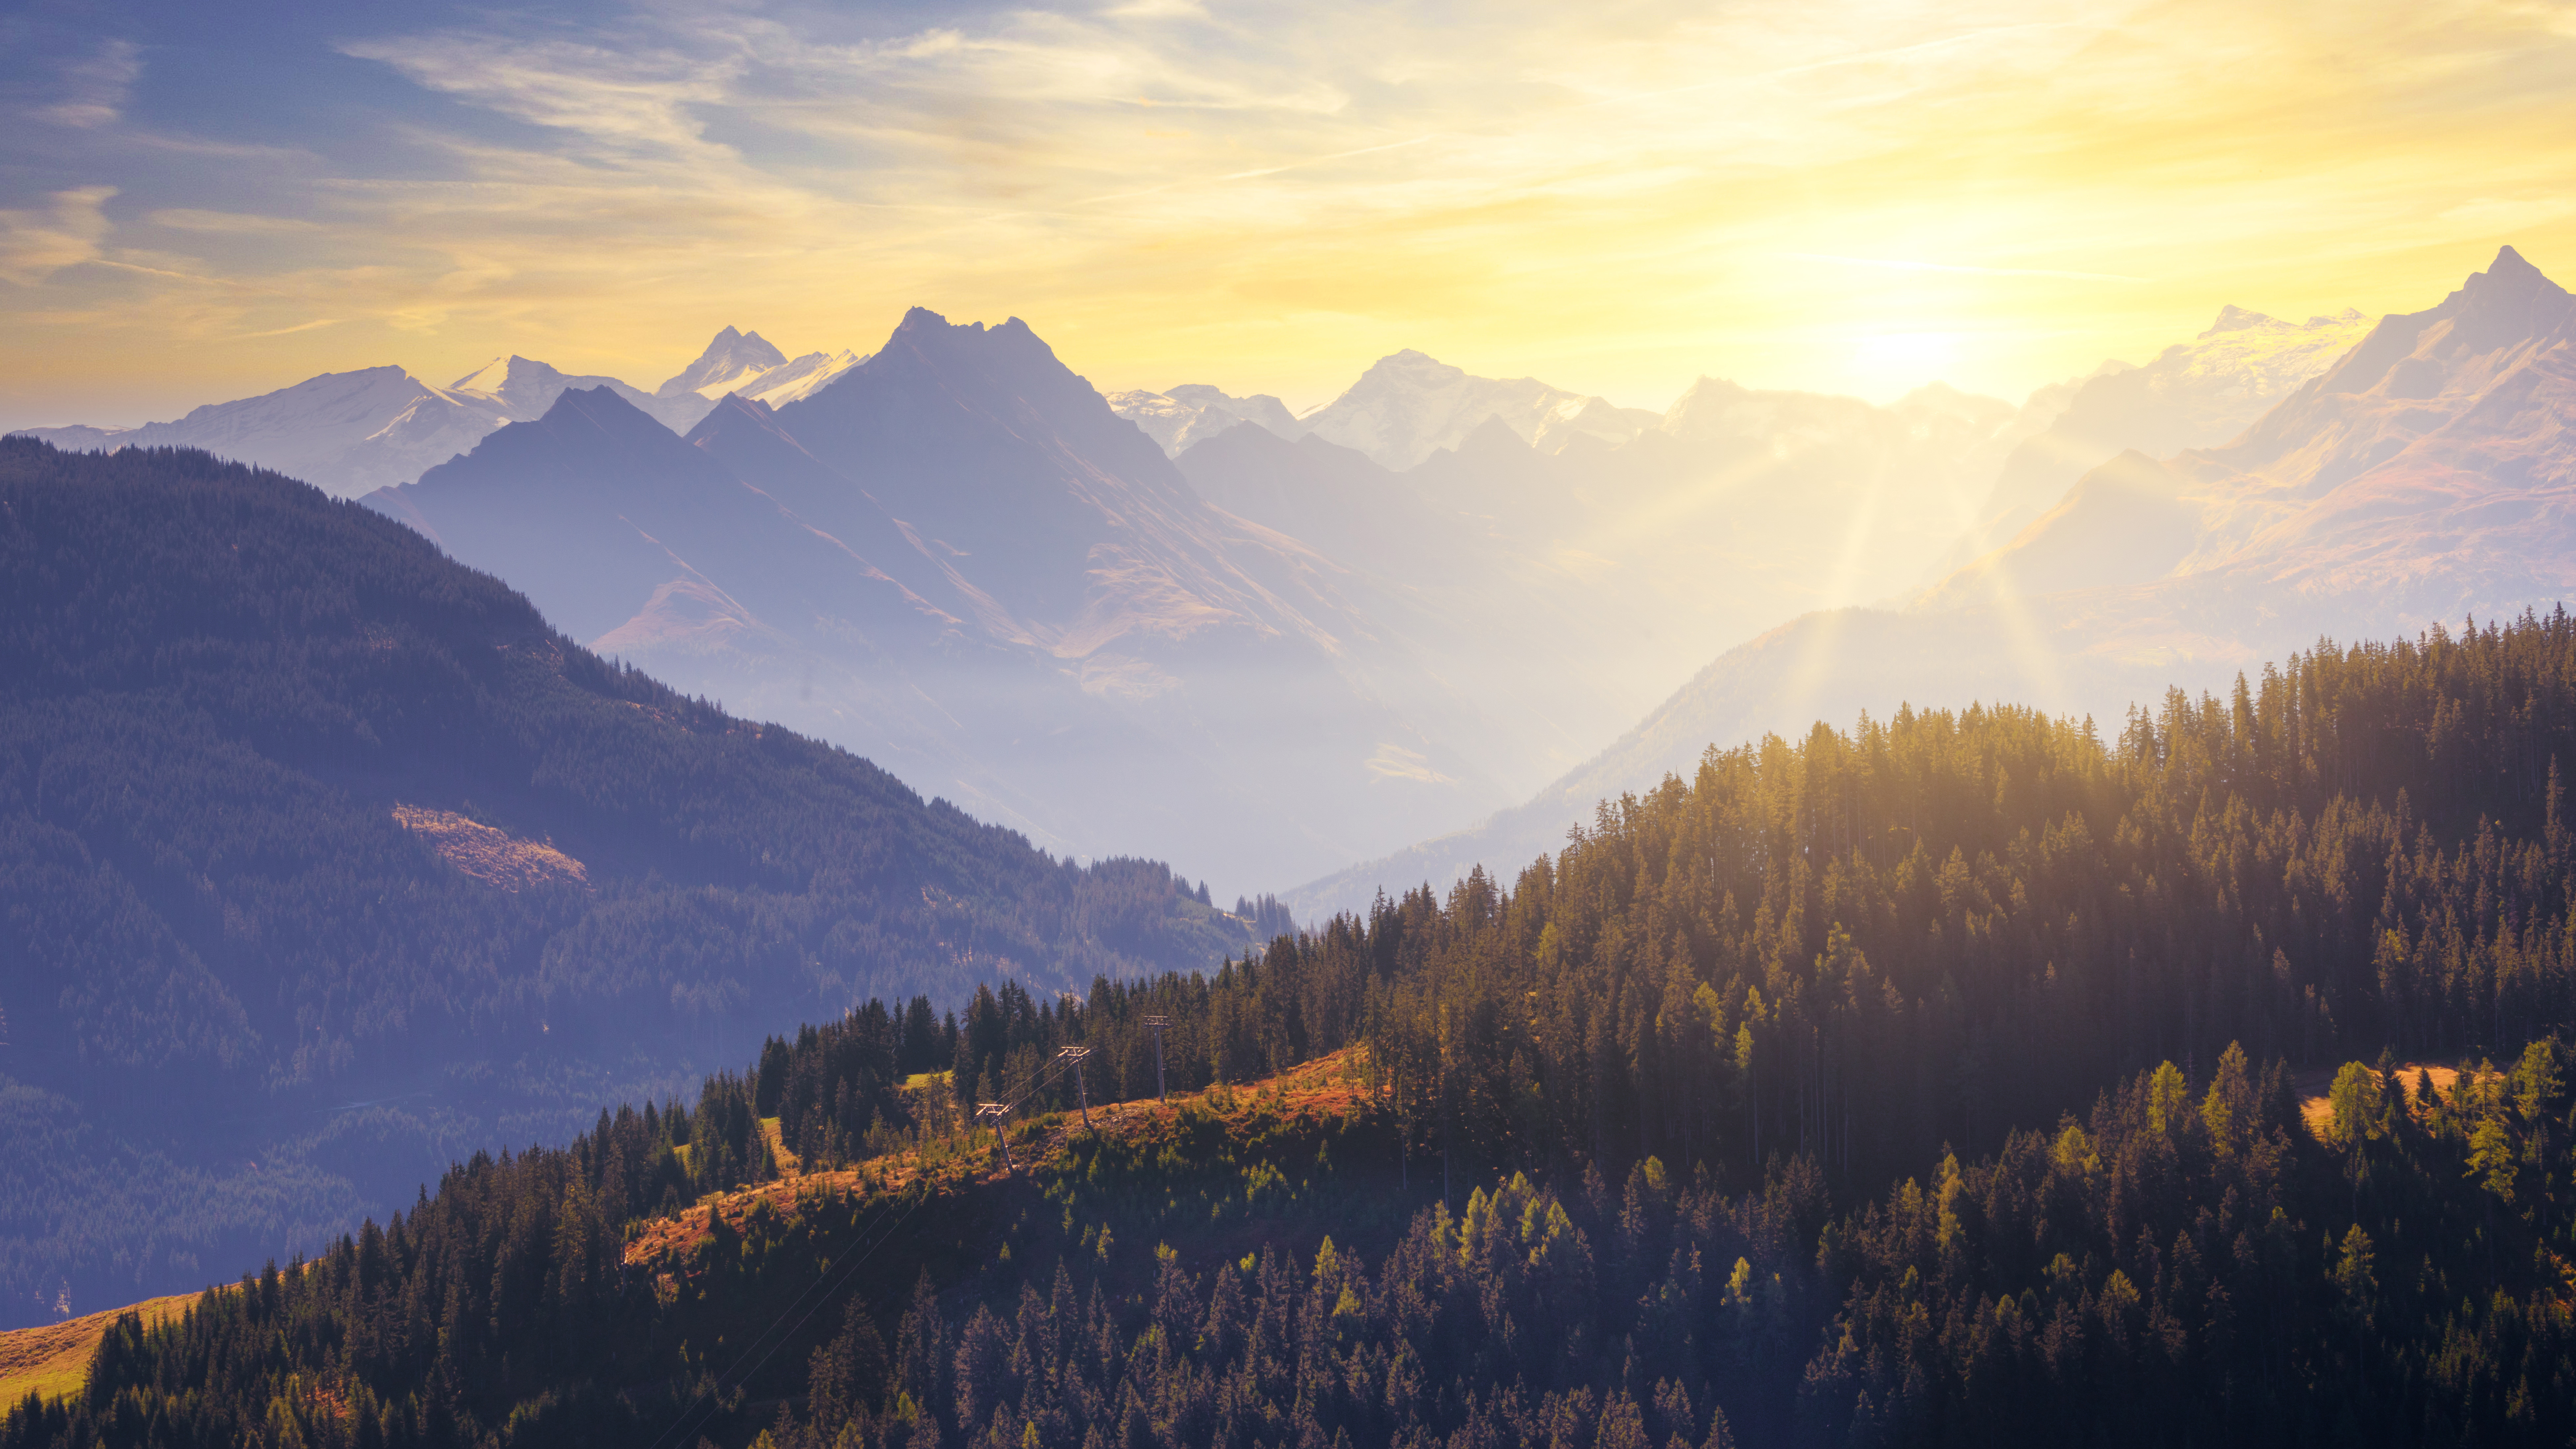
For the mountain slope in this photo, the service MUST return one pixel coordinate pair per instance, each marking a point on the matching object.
(327, 859)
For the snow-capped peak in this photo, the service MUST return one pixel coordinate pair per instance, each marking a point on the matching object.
(517, 383)
(731, 360)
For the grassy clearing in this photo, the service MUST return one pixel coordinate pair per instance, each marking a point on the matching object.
(53, 1359)
(2318, 1112)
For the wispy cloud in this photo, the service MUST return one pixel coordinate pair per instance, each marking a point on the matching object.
(230, 223)
(633, 100)
(314, 325)
(36, 243)
(94, 87)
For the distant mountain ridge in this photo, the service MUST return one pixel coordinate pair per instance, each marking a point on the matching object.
(354, 432)
(1405, 407)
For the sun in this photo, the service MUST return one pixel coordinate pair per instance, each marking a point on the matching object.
(1886, 365)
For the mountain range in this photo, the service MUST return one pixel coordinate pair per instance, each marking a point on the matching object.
(349, 433)
(2417, 480)
(1126, 624)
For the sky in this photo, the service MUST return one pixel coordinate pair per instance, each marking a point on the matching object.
(205, 202)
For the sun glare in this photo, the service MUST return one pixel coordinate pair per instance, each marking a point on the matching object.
(1885, 365)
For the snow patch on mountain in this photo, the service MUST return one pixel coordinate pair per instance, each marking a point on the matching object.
(800, 377)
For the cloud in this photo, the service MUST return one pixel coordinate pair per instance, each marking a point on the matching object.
(315, 324)
(36, 244)
(630, 100)
(95, 87)
(230, 223)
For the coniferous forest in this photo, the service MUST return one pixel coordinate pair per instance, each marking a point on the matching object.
(1963, 1078)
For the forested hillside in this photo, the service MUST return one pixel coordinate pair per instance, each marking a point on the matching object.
(1936, 1083)
(324, 860)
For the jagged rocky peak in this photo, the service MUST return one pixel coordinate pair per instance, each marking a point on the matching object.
(1009, 337)
(995, 368)
(2510, 298)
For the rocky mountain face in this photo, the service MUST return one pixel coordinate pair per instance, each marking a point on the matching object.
(956, 560)
(2419, 480)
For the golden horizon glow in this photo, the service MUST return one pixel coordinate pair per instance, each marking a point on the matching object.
(1859, 198)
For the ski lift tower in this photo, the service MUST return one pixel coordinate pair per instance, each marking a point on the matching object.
(1000, 1112)
(1072, 1056)
(1155, 1024)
